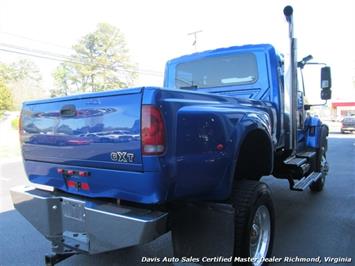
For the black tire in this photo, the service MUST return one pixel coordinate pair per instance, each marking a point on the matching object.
(248, 196)
(321, 163)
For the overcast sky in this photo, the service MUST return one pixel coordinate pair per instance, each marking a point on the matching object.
(158, 30)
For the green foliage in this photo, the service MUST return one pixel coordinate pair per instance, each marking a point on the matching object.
(100, 62)
(62, 77)
(15, 123)
(23, 80)
(7, 72)
(25, 69)
(6, 100)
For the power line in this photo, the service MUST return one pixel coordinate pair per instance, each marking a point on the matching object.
(9, 48)
(36, 51)
(34, 40)
(33, 55)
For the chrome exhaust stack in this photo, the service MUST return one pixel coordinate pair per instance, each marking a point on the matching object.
(292, 81)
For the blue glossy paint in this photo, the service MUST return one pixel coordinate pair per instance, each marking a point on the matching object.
(102, 125)
(204, 130)
(196, 122)
(267, 88)
(192, 166)
(313, 130)
(145, 187)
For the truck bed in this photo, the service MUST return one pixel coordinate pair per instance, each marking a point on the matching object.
(146, 145)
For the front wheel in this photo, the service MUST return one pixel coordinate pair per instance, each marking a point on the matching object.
(254, 221)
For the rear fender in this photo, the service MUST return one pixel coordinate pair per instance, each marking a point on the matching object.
(315, 131)
(324, 132)
(255, 121)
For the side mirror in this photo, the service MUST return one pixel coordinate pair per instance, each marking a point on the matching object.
(326, 83)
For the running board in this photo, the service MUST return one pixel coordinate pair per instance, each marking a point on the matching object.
(305, 182)
(294, 161)
(307, 154)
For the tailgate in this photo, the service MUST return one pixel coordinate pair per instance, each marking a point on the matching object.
(99, 130)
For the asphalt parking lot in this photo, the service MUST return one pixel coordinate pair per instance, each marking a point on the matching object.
(307, 224)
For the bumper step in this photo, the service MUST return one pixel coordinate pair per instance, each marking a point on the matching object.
(80, 224)
(305, 182)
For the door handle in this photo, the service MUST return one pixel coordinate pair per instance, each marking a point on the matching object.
(68, 110)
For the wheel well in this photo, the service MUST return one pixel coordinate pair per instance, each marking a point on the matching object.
(323, 136)
(255, 157)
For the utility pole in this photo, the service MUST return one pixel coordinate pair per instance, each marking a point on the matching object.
(194, 33)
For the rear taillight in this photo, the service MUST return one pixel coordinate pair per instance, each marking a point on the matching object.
(152, 131)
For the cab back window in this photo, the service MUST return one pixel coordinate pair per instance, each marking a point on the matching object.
(217, 71)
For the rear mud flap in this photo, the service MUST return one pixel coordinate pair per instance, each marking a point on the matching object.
(203, 231)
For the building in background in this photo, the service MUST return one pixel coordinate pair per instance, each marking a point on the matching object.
(341, 109)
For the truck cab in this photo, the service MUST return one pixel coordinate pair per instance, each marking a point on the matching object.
(253, 72)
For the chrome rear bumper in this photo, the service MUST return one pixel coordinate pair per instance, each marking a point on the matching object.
(87, 225)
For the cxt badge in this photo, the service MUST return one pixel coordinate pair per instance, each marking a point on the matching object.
(122, 157)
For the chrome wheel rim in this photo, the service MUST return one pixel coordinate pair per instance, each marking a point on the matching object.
(260, 233)
(324, 167)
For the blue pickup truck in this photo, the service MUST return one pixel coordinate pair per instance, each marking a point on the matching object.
(126, 166)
